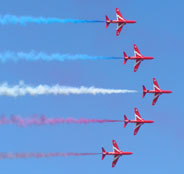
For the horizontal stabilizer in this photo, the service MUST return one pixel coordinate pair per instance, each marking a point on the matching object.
(107, 21)
(144, 91)
(103, 151)
(125, 57)
(125, 121)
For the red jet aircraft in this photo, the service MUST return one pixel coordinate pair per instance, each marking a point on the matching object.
(120, 22)
(138, 58)
(138, 120)
(157, 91)
(116, 153)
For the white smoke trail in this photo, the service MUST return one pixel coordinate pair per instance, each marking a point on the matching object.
(22, 89)
(41, 155)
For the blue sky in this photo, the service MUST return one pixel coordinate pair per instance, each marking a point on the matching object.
(158, 148)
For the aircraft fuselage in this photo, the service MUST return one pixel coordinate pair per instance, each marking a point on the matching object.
(140, 58)
(139, 121)
(117, 153)
(120, 22)
(158, 92)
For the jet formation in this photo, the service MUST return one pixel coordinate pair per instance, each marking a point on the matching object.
(157, 91)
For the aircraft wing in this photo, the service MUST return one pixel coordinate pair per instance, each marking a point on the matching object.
(119, 15)
(119, 28)
(137, 127)
(115, 147)
(137, 115)
(155, 85)
(156, 96)
(115, 160)
(137, 63)
(137, 52)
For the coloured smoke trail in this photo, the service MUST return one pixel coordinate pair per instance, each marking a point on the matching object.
(41, 155)
(23, 20)
(21, 90)
(43, 120)
(33, 56)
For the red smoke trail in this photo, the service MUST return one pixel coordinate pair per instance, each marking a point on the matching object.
(43, 120)
(41, 155)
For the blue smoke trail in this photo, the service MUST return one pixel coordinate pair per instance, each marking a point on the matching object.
(23, 20)
(33, 56)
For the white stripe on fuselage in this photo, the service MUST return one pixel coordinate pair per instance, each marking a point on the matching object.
(114, 148)
(137, 53)
(119, 26)
(137, 62)
(116, 158)
(157, 95)
(136, 116)
(138, 125)
(118, 16)
(156, 87)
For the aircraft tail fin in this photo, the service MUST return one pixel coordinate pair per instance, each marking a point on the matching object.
(125, 121)
(107, 21)
(103, 153)
(125, 57)
(144, 91)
